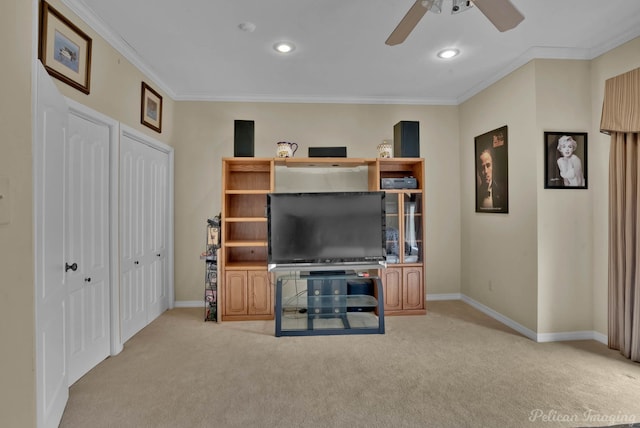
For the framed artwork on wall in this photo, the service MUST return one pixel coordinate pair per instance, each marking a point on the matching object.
(151, 108)
(492, 171)
(565, 160)
(63, 49)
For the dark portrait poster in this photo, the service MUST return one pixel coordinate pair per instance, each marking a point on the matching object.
(492, 173)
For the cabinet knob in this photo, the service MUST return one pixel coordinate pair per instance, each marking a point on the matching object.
(87, 280)
(73, 267)
(136, 262)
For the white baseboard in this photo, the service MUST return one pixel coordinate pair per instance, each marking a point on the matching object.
(449, 296)
(602, 338)
(537, 337)
(498, 316)
(565, 335)
(189, 304)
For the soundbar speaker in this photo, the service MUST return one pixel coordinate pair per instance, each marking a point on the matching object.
(406, 139)
(243, 138)
(327, 152)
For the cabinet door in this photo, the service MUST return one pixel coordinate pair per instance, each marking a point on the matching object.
(412, 223)
(393, 227)
(412, 290)
(392, 286)
(235, 293)
(259, 292)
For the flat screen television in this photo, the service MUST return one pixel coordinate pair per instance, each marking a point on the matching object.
(326, 231)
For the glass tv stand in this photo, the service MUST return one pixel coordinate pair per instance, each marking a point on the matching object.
(328, 304)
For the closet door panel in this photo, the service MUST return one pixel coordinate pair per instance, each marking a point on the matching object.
(144, 229)
(156, 228)
(87, 244)
(132, 212)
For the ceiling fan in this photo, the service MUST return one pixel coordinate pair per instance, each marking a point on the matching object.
(502, 14)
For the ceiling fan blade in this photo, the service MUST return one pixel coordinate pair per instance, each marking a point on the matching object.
(502, 13)
(409, 22)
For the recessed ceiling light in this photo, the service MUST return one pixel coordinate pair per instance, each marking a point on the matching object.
(448, 53)
(284, 47)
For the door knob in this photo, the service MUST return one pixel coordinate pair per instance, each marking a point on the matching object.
(73, 267)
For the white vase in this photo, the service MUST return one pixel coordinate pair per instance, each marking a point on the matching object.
(385, 150)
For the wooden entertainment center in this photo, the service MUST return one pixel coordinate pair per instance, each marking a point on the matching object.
(246, 291)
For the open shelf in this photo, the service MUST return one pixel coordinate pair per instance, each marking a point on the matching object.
(323, 304)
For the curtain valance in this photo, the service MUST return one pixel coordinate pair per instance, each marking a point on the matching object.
(621, 106)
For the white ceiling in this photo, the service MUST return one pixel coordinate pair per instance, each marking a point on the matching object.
(194, 50)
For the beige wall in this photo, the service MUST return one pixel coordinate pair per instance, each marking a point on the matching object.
(548, 266)
(115, 88)
(499, 251)
(205, 132)
(17, 324)
(565, 226)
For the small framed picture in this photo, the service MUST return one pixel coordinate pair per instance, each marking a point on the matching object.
(565, 160)
(151, 108)
(63, 49)
(492, 171)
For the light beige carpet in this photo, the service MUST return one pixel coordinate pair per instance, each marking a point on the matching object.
(454, 367)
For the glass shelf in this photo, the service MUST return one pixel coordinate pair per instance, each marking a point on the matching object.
(349, 302)
(328, 304)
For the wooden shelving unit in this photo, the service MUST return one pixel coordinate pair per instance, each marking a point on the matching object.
(246, 291)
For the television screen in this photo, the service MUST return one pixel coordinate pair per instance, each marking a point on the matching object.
(326, 231)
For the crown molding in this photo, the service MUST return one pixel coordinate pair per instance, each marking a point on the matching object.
(117, 42)
(301, 99)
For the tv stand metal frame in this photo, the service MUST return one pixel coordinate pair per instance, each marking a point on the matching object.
(331, 310)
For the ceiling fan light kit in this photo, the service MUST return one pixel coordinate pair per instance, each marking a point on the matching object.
(461, 6)
(458, 6)
(502, 14)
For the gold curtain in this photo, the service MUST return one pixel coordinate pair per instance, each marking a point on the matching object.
(621, 119)
(624, 245)
(621, 106)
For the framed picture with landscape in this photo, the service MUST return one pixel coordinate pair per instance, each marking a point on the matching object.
(63, 49)
(565, 160)
(492, 171)
(151, 108)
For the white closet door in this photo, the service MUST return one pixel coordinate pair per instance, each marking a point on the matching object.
(52, 390)
(132, 209)
(144, 210)
(87, 244)
(156, 242)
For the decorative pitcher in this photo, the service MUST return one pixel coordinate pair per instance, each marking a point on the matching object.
(286, 150)
(385, 150)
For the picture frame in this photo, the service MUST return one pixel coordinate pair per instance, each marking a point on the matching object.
(492, 171)
(64, 49)
(151, 108)
(565, 169)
